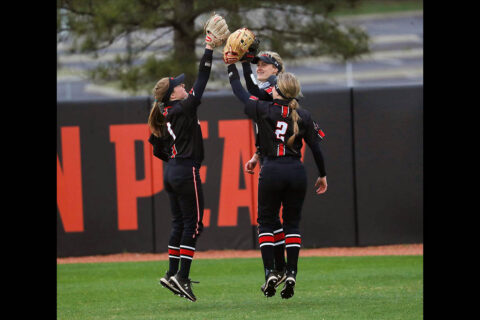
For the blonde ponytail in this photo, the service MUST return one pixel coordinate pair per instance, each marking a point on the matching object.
(295, 118)
(156, 119)
(290, 89)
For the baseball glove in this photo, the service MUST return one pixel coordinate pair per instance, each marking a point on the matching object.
(252, 52)
(237, 45)
(216, 31)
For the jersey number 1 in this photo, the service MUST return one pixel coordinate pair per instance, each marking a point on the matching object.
(281, 130)
(169, 127)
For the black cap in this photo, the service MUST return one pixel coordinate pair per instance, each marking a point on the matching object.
(172, 83)
(267, 59)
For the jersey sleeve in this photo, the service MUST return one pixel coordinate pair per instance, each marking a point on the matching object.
(252, 86)
(191, 103)
(313, 136)
(251, 108)
(255, 109)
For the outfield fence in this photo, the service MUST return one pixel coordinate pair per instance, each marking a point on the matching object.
(110, 196)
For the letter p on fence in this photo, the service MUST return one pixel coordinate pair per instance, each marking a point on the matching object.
(128, 187)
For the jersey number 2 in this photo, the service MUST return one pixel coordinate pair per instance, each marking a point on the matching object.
(281, 130)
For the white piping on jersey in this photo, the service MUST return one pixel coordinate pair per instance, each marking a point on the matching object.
(198, 208)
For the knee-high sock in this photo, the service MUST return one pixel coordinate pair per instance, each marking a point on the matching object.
(186, 258)
(279, 249)
(292, 245)
(173, 259)
(265, 241)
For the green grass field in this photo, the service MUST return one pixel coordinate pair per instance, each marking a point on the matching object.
(370, 287)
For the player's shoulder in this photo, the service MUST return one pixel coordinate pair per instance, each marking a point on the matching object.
(304, 113)
(259, 101)
(190, 102)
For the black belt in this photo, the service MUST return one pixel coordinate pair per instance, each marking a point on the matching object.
(283, 158)
(185, 161)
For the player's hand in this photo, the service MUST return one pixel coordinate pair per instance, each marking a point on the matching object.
(250, 165)
(321, 185)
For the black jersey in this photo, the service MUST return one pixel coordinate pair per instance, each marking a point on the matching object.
(184, 129)
(183, 137)
(275, 127)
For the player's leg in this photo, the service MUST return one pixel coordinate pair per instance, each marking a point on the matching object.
(293, 199)
(175, 237)
(190, 194)
(279, 250)
(269, 200)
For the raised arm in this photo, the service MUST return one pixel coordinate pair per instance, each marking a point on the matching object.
(204, 69)
(252, 87)
(237, 88)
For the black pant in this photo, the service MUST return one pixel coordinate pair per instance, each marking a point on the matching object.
(184, 188)
(282, 181)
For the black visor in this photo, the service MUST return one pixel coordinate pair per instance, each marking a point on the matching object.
(267, 59)
(172, 83)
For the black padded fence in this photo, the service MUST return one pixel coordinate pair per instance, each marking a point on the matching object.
(110, 196)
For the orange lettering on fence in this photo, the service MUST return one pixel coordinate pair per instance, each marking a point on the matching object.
(69, 181)
(238, 148)
(128, 187)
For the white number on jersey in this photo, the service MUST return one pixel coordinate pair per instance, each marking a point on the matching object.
(169, 126)
(281, 130)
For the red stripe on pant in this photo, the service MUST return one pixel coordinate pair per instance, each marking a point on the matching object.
(186, 252)
(196, 198)
(293, 240)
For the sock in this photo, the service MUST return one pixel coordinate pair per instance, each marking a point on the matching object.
(265, 241)
(292, 245)
(186, 258)
(279, 249)
(173, 260)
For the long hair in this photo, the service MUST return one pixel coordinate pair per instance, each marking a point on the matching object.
(290, 87)
(277, 57)
(156, 119)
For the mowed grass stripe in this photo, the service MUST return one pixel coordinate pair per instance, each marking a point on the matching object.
(371, 287)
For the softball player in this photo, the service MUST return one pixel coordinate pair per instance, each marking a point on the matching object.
(177, 138)
(269, 65)
(281, 128)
